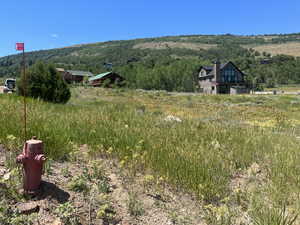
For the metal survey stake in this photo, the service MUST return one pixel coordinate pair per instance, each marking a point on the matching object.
(21, 47)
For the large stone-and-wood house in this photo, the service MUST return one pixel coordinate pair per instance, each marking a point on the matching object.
(222, 79)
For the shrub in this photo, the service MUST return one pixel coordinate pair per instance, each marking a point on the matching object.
(43, 81)
(107, 213)
(67, 214)
(273, 216)
(78, 184)
(135, 207)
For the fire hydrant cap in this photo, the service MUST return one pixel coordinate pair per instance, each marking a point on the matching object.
(34, 142)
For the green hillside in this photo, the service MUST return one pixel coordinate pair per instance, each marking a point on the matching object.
(171, 63)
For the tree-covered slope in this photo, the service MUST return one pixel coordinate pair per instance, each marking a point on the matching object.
(171, 63)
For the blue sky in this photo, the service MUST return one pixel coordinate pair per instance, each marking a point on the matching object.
(43, 24)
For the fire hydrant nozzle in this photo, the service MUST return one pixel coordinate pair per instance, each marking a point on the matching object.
(40, 158)
(32, 159)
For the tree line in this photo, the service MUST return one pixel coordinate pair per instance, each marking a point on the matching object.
(171, 69)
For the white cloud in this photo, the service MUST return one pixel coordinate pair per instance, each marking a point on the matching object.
(54, 36)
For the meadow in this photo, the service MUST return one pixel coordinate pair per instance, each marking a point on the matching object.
(290, 48)
(285, 88)
(234, 153)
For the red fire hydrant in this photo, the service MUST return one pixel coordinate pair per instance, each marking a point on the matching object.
(32, 159)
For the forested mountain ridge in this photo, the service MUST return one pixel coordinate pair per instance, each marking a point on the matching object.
(171, 63)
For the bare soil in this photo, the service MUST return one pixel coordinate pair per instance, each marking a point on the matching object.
(156, 203)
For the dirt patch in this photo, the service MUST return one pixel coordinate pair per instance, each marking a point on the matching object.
(108, 194)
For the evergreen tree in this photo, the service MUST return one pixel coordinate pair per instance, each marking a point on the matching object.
(43, 81)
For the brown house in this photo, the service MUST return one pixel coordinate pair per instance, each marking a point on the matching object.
(106, 79)
(75, 76)
(222, 79)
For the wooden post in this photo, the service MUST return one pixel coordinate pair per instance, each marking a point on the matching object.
(24, 89)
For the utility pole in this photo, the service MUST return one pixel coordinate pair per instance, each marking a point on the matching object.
(21, 47)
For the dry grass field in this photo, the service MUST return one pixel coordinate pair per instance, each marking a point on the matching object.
(291, 48)
(172, 44)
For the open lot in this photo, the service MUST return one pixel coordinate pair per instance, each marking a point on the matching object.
(237, 155)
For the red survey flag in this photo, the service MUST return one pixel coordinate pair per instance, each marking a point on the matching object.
(19, 46)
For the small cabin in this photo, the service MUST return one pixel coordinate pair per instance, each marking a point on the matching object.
(106, 79)
(76, 76)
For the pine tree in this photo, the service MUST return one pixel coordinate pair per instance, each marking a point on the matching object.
(44, 82)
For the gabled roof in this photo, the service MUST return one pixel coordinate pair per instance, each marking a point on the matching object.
(223, 65)
(207, 67)
(99, 76)
(80, 73)
(210, 71)
(233, 66)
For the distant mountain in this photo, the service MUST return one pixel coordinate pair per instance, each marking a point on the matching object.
(133, 57)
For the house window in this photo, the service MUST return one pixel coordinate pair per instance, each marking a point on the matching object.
(229, 76)
(202, 73)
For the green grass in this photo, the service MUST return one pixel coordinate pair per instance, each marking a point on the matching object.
(219, 136)
(287, 88)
